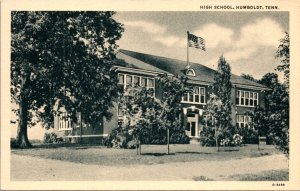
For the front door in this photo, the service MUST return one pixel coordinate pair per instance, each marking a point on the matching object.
(192, 125)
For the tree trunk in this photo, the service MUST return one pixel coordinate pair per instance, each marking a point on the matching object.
(216, 137)
(22, 138)
(140, 148)
(168, 140)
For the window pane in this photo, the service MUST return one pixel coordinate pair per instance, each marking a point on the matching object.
(251, 102)
(242, 101)
(255, 102)
(144, 82)
(185, 97)
(251, 95)
(136, 80)
(255, 95)
(121, 78)
(246, 119)
(196, 90)
(238, 94)
(120, 113)
(191, 97)
(246, 101)
(197, 98)
(246, 94)
(241, 118)
(128, 80)
(242, 94)
(150, 82)
(202, 99)
(237, 101)
(202, 90)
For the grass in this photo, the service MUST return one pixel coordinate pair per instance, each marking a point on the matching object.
(202, 178)
(273, 175)
(151, 154)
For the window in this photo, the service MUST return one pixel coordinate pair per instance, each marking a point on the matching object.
(246, 98)
(119, 111)
(190, 72)
(64, 122)
(134, 80)
(194, 95)
(243, 120)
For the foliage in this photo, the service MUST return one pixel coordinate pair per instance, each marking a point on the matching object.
(52, 138)
(283, 53)
(119, 138)
(208, 137)
(249, 134)
(237, 139)
(276, 113)
(62, 56)
(218, 107)
(146, 118)
(222, 89)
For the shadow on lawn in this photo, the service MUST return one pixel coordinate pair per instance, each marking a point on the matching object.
(157, 154)
(190, 152)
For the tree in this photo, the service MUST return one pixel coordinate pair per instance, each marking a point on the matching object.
(141, 112)
(277, 111)
(219, 104)
(283, 53)
(144, 112)
(222, 89)
(215, 110)
(172, 88)
(65, 58)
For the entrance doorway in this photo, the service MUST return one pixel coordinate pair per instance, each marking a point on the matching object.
(192, 129)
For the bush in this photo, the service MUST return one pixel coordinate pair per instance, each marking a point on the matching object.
(208, 137)
(234, 141)
(250, 135)
(179, 137)
(52, 138)
(120, 138)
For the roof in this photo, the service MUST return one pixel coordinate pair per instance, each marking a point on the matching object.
(136, 60)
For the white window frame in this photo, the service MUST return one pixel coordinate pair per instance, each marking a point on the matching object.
(124, 84)
(240, 97)
(244, 120)
(140, 81)
(64, 123)
(194, 101)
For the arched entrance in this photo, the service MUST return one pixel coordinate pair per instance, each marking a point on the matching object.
(192, 121)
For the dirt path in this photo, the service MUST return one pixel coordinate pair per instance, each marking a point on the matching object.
(32, 168)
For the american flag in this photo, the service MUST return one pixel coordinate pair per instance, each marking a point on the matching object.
(197, 42)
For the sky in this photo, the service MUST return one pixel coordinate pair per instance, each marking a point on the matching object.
(247, 40)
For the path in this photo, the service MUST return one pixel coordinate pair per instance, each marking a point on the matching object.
(32, 168)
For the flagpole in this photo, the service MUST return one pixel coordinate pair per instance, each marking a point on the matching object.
(187, 50)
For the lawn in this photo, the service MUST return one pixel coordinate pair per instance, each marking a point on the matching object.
(273, 175)
(151, 154)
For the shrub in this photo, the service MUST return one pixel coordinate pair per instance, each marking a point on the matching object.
(52, 138)
(179, 137)
(208, 137)
(118, 138)
(121, 138)
(250, 135)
